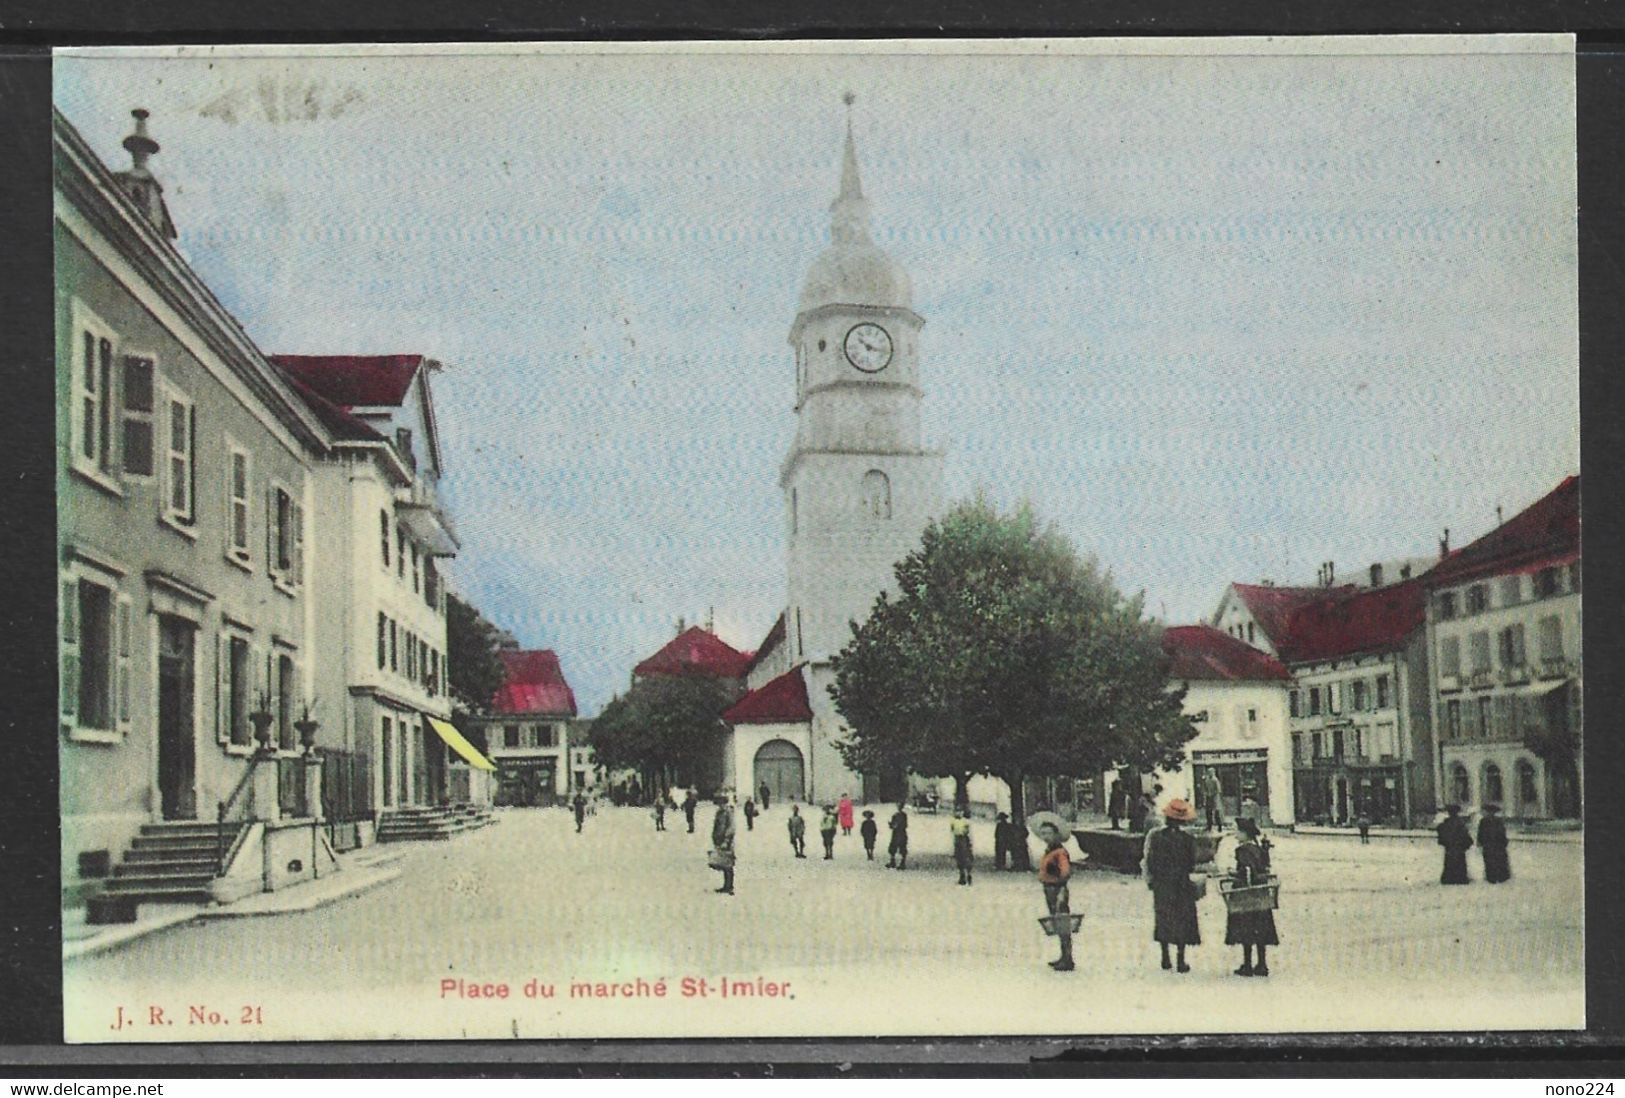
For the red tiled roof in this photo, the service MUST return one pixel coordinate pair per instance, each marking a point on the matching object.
(1270, 606)
(1347, 621)
(696, 652)
(1547, 531)
(535, 684)
(335, 419)
(355, 381)
(774, 638)
(1203, 652)
(780, 701)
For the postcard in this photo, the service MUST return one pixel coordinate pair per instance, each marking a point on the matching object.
(818, 539)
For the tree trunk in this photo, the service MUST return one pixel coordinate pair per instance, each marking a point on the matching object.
(962, 793)
(1020, 858)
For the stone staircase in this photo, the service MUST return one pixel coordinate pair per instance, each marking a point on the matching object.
(172, 862)
(418, 823)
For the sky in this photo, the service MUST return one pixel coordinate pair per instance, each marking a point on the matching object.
(1219, 317)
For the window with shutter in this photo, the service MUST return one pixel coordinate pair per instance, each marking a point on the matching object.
(94, 412)
(1551, 639)
(298, 575)
(239, 477)
(1479, 645)
(122, 667)
(139, 408)
(179, 451)
(69, 660)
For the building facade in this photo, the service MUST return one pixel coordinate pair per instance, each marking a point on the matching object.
(1504, 636)
(1357, 710)
(384, 614)
(187, 530)
(530, 732)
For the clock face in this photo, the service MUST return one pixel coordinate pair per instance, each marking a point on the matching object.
(868, 347)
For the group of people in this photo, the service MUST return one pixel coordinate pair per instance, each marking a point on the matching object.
(839, 818)
(1171, 875)
(1456, 839)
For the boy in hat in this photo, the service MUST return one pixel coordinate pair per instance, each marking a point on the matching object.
(826, 829)
(959, 828)
(870, 831)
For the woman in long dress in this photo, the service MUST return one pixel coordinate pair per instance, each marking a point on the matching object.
(1251, 928)
(1456, 841)
(1169, 862)
(1492, 845)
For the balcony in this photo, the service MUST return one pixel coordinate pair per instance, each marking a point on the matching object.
(1515, 675)
(1555, 668)
(1449, 684)
(420, 512)
(1481, 680)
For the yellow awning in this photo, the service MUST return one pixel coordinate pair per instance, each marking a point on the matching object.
(454, 740)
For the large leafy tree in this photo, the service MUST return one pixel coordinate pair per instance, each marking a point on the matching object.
(473, 672)
(1003, 652)
(666, 727)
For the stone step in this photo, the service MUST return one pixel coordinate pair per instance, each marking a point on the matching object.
(166, 892)
(184, 827)
(171, 853)
(141, 845)
(162, 882)
(167, 867)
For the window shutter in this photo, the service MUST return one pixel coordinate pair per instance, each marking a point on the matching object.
(70, 650)
(121, 664)
(298, 512)
(191, 465)
(270, 529)
(222, 687)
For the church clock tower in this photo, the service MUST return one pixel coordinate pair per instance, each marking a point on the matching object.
(858, 485)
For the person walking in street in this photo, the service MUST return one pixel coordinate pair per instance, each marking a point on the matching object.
(580, 804)
(1492, 845)
(1250, 929)
(1456, 841)
(1211, 792)
(897, 849)
(750, 814)
(1003, 849)
(959, 829)
(690, 804)
(660, 813)
(844, 812)
(1117, 803)
(767, 796)
(1169, 862)
(826, 828)
(1364, 824)
(722, 843)
(1054, 871)
(798, 831)
(870, 832)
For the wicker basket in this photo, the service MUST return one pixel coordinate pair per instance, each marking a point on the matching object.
(1052, 923)
(1240, 899)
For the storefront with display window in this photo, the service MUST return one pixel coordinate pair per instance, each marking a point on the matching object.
(1242, 775)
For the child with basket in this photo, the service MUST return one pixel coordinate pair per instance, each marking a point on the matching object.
(1251, 920)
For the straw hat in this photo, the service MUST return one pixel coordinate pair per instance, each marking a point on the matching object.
(1040, 820)
(1180, 809)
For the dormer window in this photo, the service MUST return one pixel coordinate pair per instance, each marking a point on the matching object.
(403, 447)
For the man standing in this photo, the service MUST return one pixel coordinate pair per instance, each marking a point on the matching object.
(581, 811)
(1454, 838)
(1001, 840)
(722, 844)
(1210, 799)
(798, 831)
(750, 814)
(690, 804)
(897, 851)
(660, 812)
(1117, 803)
(767, 797)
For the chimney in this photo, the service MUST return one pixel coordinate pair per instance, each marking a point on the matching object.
(1404, 571)
(681, 625)
(1498, 514)
(1376, 575)
(1444, 544)
(139, 183)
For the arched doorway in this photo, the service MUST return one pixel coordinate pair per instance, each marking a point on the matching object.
(779, 767)
(1528, 790)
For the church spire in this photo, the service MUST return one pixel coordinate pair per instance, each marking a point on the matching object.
(849, 213)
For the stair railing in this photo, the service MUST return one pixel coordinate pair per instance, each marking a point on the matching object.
(227, 807)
